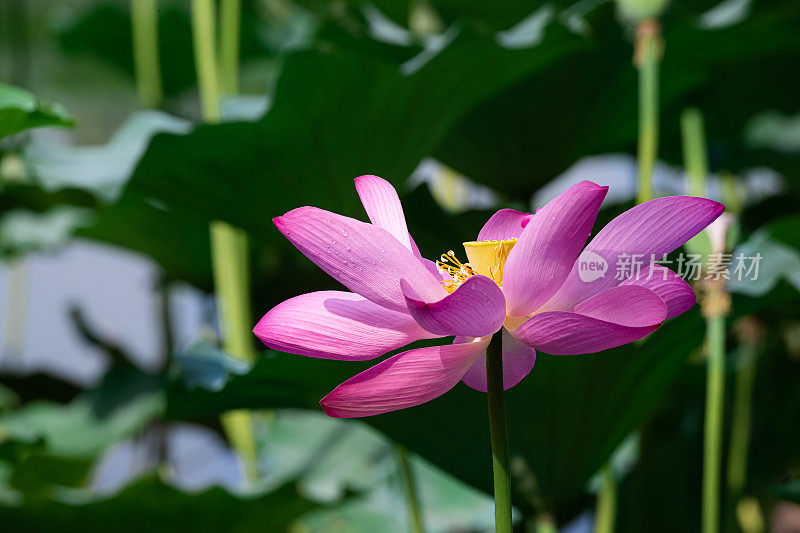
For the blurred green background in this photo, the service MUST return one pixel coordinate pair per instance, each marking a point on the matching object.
(113, 377)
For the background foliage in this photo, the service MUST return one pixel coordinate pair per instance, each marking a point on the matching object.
(508, 94)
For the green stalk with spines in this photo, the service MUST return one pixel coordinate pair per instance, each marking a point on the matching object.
(749, 332)
(203, 35)
(714, 310)
(712, 441)
(647, 59)
(742, 413)
(229, 247)
(606, 512)
(410, 486)
(694, 153)
(230, 23)
(144, 26)
(695, 163)
(499, 435)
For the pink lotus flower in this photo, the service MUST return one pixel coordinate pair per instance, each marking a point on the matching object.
(524, 277)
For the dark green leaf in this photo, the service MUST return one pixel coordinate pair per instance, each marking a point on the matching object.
(586, 103)
(151, 505)
(335, 116)
(104, 32)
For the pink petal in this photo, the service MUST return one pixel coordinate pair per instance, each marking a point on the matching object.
(627, 305)
(336, 325)
(505, 224)
(673, 289)
(383, 206)
(549, 246)
(429, 265)
(518, 359)
(565, 333)
(404, 380)
(477, 308)
(364, 258)
(649, 231)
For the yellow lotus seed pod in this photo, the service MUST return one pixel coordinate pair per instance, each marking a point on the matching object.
(489, 257)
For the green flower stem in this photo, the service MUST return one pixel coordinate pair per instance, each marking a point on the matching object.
(229, 248)
(647, 58)
(499, 434)
(144, 24)
(412, 499)
(695, 162)
(694, 151)
(712, 444)
(203, 25)
(742, 411)
(715, 305)
(230, 20)
(231, 279)
(605, 514)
